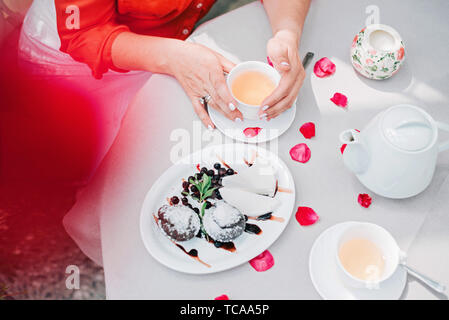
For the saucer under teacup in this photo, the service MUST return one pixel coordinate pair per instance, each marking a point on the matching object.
(270, 129)
(324, 274)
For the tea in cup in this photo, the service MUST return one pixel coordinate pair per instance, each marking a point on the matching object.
(366, 255)
(250, 83)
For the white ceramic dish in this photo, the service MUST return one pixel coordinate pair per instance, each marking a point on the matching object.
(270, 129)
(248, 245)
(324, 274)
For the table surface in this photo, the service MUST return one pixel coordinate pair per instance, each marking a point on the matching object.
(161, 116)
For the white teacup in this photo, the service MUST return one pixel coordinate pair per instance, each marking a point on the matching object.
(383, 240)
(251, 111)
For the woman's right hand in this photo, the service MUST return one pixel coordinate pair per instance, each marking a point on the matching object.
(200, 71)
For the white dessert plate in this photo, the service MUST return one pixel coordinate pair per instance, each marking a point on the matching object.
(324, 274)
(270, 129)
(247, 245)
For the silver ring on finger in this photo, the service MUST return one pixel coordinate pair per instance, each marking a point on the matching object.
(205, 99)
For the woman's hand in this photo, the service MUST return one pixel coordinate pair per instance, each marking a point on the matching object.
(282, 50)
(200, 71)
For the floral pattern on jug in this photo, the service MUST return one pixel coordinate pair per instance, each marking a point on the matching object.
(374, 59)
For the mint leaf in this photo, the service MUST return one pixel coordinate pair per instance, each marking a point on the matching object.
(206, 183)
(208, 193)
(203, 208)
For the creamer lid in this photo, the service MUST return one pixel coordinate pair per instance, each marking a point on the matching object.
(408, 128)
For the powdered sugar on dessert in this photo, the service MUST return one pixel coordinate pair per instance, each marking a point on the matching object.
(178, 222)
(226, 215)
(223, 222)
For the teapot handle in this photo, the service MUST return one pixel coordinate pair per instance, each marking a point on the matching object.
(445, 145)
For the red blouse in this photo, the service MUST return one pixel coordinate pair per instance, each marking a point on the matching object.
(102, 20)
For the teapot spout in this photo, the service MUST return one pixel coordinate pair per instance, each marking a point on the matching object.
(355, 156)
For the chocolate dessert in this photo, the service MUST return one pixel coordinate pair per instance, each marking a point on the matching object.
(178, 222)
(223, 222)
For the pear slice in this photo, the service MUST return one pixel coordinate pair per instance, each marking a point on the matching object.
(251, 204)
(259, 178)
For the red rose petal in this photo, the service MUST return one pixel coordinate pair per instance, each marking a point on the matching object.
(269, 61)
(262, 262)
(308, 130)
(222, 297)
(251, 132)
(324, 68)
(343, 147)
(300, 153)
(306, 216)
(364, 200)
(340, 99)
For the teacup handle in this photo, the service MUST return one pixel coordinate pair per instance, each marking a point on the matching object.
(445, 145)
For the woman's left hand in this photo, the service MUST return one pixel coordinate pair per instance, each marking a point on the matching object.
(282, 50)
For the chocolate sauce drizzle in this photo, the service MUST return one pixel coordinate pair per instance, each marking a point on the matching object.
(193, 253)
(252, 228)
(266, 217)
(228, 246)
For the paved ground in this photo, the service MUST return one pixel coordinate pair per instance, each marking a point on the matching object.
(34, 248)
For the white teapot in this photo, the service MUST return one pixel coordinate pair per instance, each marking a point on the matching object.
(395, 155)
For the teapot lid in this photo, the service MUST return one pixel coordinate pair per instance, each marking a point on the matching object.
(408, 128)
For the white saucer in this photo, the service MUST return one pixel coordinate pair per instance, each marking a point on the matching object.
(324, 274)
(270, 129)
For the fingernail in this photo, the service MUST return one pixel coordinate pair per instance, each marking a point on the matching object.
(263, 116)
(265, 108)
(238, 120)
(231, 106)
(285, 63)
(210, 127)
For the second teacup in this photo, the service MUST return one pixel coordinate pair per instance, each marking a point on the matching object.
(366, 255)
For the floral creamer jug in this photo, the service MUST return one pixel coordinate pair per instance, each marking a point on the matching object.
(377, 51)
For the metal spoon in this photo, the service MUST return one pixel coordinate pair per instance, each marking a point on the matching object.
(438, 287)
(308, 57)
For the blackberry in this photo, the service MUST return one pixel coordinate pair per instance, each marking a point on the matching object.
(174, 200)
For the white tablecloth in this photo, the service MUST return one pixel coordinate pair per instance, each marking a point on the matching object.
(161, 111)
